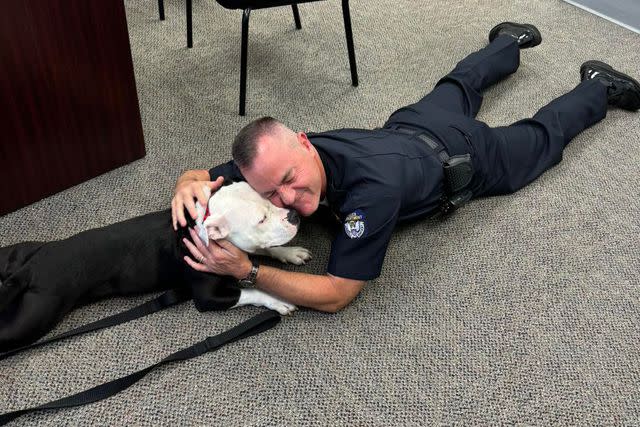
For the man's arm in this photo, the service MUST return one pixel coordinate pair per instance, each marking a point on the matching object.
(325, 293)
(193, 175)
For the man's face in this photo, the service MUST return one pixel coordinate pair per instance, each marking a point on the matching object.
(287, 171)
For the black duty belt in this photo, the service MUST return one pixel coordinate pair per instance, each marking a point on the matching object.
(458, 171)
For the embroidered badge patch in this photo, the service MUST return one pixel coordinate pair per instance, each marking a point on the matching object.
(354, 224)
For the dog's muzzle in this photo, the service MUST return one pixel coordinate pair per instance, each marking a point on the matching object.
(293, 217)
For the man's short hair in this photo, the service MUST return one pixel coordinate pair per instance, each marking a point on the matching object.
(246, 141)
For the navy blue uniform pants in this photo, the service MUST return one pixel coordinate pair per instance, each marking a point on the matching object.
(505, 158)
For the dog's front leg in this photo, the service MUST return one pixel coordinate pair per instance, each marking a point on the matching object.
(287, 254)
(262, 299)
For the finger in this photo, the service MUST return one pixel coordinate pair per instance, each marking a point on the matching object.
(194, 250)
(173, 214)
(202, 198)
(201, 194)
(191, 207)
(228, 247)
(219, 243)
(214, 245)
(225, 244)
(180, 211)
(215, 185)
(194, 265)
(198, 242)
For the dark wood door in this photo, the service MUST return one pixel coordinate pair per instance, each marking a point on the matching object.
(69, 104)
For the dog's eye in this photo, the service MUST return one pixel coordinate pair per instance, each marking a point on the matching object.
(263, 220)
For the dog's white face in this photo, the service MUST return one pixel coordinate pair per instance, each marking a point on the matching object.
(240, 215)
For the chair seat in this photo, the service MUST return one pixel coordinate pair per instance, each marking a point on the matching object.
(247, 6)
(259, 4)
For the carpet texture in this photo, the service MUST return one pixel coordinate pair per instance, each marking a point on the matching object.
(523, 309)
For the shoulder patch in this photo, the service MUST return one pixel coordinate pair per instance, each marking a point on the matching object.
(354, 224)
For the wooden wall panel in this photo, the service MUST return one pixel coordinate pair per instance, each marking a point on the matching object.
(69, 104)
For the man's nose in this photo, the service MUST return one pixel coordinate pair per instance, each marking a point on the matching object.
(288, 196)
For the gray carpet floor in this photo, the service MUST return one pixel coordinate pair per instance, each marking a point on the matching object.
(523, 309)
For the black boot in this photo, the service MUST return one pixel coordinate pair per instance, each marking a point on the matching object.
(526, 35)
(622, 90)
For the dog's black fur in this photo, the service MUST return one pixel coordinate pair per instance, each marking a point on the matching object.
(42, 281)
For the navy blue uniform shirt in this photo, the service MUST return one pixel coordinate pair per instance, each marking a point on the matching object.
(375, 178)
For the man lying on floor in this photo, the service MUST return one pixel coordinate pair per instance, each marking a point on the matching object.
(430, 157)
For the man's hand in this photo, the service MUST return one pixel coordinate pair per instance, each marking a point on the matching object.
(189, 188)
(220, 257)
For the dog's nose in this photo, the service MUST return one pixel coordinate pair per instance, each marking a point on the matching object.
(293, 217)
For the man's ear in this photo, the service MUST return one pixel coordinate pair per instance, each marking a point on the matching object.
(304, 140)
(217, 227)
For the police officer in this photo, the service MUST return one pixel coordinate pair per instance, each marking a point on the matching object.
(428, 159)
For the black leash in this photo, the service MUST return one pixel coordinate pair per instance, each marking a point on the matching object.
(168, 299)
(253, 326)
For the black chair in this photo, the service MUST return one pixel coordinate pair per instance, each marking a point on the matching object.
(247, 6)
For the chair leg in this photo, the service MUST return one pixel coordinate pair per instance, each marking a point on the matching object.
(350, 48)
(161, 9)
(243, 60)
(189, 24)
(296, 16)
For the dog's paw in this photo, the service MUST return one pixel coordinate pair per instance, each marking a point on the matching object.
(262, 299)
(291, 254)
(284, 308)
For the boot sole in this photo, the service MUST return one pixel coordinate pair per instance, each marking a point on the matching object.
(537, 36)
(598, 65)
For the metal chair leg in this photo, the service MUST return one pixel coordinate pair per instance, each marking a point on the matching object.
(243, 59)
(161, 9)
(350, 48)
(296, 16)
(189, 24)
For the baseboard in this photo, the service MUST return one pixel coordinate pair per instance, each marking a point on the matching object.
(602, 15)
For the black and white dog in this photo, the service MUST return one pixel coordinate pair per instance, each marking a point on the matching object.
(42, 281)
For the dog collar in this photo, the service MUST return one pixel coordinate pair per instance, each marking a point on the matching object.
(206, 214)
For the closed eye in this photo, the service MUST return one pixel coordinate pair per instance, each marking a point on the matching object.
(287, 180)
(263, 220)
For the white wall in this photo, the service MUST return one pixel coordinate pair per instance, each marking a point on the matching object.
(622, 12)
